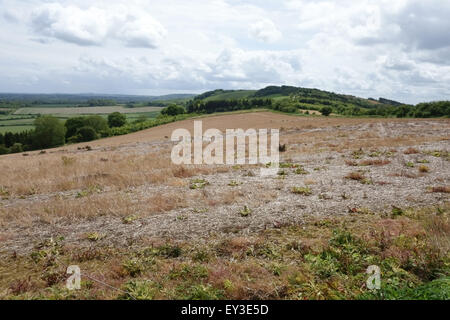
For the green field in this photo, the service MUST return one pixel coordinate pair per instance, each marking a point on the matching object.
(16, 129)
(83, 110)
(23, 118)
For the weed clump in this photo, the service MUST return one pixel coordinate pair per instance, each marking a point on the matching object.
(198, 184)
(245, 212)
(140, 290)
(304, 191)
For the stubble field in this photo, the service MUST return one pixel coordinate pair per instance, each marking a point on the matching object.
(350, 193)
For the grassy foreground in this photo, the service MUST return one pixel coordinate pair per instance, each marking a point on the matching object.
(320, 259)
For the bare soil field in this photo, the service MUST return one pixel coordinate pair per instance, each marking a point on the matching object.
(111, 198)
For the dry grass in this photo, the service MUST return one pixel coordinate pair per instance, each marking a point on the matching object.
(358, 176)
(441, 189)
(376, 162)
(411, 151)
(127, 184)
(50, 173)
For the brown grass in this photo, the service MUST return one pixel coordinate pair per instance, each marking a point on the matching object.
(376, 162)
(411, 151)
(355, 176)
(441, 189)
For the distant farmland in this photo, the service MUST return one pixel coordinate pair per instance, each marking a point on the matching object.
(84, 110)
(22, 119)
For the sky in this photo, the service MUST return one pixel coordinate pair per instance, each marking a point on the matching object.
(396, 49)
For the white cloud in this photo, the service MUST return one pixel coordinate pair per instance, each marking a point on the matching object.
(95, 26)
(265, 30)
(397, 49)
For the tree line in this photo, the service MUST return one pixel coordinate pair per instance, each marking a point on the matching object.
(201, 106)
(51, 132)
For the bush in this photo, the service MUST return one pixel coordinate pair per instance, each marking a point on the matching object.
(49, 132)
(173, 110)
(85, 134)
(16, 148)
(3, 150)
(326, 111)
(116, 119)
(97, 123)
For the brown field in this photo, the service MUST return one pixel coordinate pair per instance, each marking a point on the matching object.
(109, 202)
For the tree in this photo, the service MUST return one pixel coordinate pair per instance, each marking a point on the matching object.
(85, 134)
(16, 148)
(116, 119)
(98, 123)
(9, 139)
(73, 124)
(49, 132)
(3, 149)
(326, 111)
(173, 110)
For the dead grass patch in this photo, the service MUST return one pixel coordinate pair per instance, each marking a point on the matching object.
(374, 162)
(440, 189)
(411, 151)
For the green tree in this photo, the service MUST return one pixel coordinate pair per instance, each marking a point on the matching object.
(326, 111)
(16, 148)
(73, 124)
(173, 110)
(116, 119)
(49, 132)
(85, 134)
(97, 123)
(3, 149)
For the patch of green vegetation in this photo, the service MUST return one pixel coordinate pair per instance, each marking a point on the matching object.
(129, 219)
(438, 289)
(234, 183)
(166, 251)
(140, 290)
(358, 154)
(245, 212)
(304, 191)
(88, 191)
(95, 236)
(301, 171)
(198, 184)
(287, 165)
(410, 164)
(198, 292)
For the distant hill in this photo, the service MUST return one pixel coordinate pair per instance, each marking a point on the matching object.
(84, 98)
(306, 100)
(220, 94)
(305, 95)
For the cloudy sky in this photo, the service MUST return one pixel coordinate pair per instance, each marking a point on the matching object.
(398, 49)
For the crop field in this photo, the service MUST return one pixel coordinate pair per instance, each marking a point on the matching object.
(350, 193)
